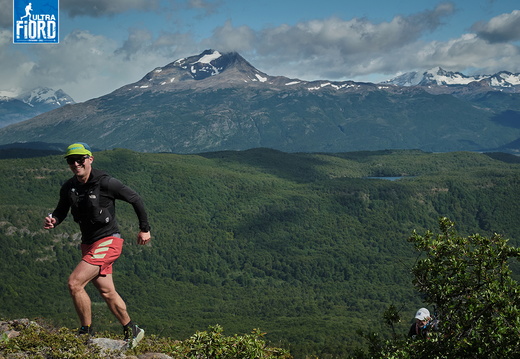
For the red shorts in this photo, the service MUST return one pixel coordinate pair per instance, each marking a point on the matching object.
(103, 253)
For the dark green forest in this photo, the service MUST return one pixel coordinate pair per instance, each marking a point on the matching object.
(309, 248)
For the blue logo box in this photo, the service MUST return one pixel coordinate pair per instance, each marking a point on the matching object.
(35, 21)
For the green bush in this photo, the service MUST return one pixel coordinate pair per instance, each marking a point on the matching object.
(36, 341)
(213, 344)
(468, 281)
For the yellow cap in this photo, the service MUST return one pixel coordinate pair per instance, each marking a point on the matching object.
(78, 148)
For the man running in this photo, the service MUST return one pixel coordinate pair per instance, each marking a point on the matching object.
(90, 195)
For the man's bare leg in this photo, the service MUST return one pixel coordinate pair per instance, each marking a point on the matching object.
(116, 304)
(79, 278)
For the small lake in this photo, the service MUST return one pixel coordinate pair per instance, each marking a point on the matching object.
(389, 178)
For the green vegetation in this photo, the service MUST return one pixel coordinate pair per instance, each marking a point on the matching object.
(37, 341)
(213, 344)
(468, 280)
(478, 299)
(302, 246)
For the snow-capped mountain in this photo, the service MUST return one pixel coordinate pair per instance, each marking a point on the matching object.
(187, 72)
(44, 96)
(440, 77)
(16, 108)
(212, 69)
(504, 79)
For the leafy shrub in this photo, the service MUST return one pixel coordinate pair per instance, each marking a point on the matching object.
(469, 282)
(213, 344)
(35, 341)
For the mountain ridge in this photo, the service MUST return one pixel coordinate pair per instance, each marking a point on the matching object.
(187, 73)
(441, 77)
(218, 101)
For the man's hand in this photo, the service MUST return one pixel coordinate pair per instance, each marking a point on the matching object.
(49, 223)
(143, 237)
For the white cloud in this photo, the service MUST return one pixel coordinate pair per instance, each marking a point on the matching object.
(15, 64)
(350, 36)
(470, 51)
(229, 38)
(83, 65)
(137, 40)
(466, 52)
(502, 28)
(87, 65)
(328, 48)
(340, 49)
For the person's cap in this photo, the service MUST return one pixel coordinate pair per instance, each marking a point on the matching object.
(78, 148)
(422, 314)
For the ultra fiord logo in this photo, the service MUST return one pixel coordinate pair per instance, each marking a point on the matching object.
(35, 21)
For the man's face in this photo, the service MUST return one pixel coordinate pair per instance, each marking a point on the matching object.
(80, 165)
(422, 322)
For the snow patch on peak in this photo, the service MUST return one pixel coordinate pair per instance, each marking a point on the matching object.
(206, 59)
(210, 63)
(509, 78)
(441, 77)
(261, 78)
(319, 86)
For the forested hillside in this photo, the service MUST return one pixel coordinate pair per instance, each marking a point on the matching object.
(303, 246)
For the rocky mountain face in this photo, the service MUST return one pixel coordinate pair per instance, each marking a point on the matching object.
(30, 104)
(218, 101)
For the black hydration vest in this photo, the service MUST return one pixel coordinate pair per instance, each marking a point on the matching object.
(85, 205)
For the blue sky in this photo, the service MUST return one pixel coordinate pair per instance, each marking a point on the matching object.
(107, 44)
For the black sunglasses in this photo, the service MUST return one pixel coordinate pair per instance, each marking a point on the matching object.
(79, 160)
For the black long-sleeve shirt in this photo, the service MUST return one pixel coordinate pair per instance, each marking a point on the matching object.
(96, 218)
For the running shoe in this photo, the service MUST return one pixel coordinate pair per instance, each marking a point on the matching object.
(86, 329)
(133, 335)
